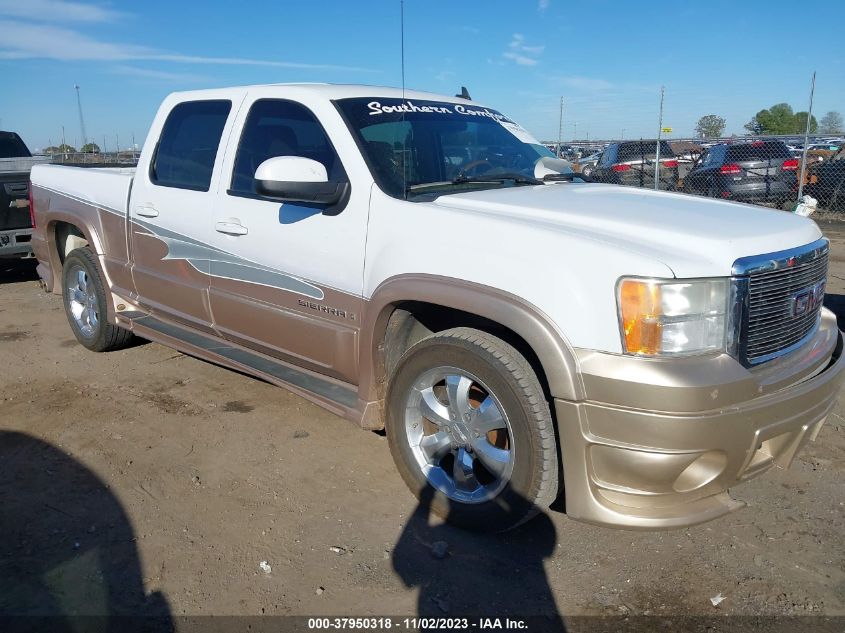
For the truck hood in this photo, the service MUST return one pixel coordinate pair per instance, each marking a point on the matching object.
(693, 236)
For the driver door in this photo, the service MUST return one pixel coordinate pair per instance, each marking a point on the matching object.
(286, 279)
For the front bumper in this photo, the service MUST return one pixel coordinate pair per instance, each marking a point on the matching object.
(16, 243)
(656, 446)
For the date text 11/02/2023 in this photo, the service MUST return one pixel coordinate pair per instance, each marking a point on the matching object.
(417, 623)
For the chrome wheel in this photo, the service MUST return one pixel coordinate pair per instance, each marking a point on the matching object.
(459, 435)
(82, 300)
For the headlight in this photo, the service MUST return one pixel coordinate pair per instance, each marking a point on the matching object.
(673, 317)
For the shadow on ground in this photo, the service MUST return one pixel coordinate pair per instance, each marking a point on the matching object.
(836, 304)
(67, 548)
(462, 573)
(13, 271)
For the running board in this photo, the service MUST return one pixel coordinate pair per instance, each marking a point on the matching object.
(305, 383)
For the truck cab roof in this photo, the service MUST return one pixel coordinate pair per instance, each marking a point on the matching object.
(324, 90)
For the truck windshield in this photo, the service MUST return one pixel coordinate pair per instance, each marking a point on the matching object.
(414, 146)
(11, 146)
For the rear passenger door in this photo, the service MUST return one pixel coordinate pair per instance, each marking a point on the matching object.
(170, 212)
(286, 279)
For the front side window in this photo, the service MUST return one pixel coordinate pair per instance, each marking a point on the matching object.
(188, 145)
(280, 128)
(414, 146)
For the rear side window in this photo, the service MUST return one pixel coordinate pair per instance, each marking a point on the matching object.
(608, 155)
(757, 151)
(281, 128)
(188, 145)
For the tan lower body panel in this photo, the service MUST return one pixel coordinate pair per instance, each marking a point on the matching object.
(641, 469)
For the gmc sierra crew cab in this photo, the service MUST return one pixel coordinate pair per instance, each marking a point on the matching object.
(420, 264)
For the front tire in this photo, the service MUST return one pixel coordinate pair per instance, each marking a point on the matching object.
(470, 429)
(84, 297)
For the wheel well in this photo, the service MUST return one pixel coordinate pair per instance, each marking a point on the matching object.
(411, 321)
(67, 238)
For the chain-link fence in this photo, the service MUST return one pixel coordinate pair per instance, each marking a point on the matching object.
(103, 159)
(775, 158)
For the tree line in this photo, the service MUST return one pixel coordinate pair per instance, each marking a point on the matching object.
(779, 119)
(64, 148)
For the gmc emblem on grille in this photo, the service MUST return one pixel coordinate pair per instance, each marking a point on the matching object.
(808, 300)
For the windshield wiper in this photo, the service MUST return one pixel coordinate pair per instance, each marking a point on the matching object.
(517, 178)
(461, 179)
(566, 177)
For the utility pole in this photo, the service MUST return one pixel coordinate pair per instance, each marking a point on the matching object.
(806, 137)
(560, 128)
(81, 120)
(623, 134)
(657, 151)
(64, 145)
(575, 131)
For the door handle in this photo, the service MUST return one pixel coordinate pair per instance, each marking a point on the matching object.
(146, 212)
(231, 228)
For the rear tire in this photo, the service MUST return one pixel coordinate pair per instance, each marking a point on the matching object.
(84, 297)
(470, 430)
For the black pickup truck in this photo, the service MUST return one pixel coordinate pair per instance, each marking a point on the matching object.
(15, 221)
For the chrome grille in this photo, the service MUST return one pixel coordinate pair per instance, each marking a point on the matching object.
(773, 323)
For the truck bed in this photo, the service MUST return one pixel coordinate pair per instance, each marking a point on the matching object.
(106, 188)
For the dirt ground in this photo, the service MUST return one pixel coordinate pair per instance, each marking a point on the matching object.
(146, 481)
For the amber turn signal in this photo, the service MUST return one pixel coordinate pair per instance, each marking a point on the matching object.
(641, 309)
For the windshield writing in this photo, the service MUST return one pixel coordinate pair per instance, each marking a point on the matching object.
(409, 143)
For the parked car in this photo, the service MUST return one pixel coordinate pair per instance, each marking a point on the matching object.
(760, 171)
(15, 222)
(827, 183)
(587, 164)
(518, 338)
(632, 163)
(826, 147)
(568, 152)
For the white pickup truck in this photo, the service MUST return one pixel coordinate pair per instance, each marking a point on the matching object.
(420, 263)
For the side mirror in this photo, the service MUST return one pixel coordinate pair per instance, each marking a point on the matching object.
(297, 179)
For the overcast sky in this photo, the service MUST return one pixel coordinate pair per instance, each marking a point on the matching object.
(607, 59)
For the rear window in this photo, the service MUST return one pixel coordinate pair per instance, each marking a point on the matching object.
(757, 151)
(643, 149)
(11, 146)
(188, 145)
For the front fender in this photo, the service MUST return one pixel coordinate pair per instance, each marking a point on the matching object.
(556, 355)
